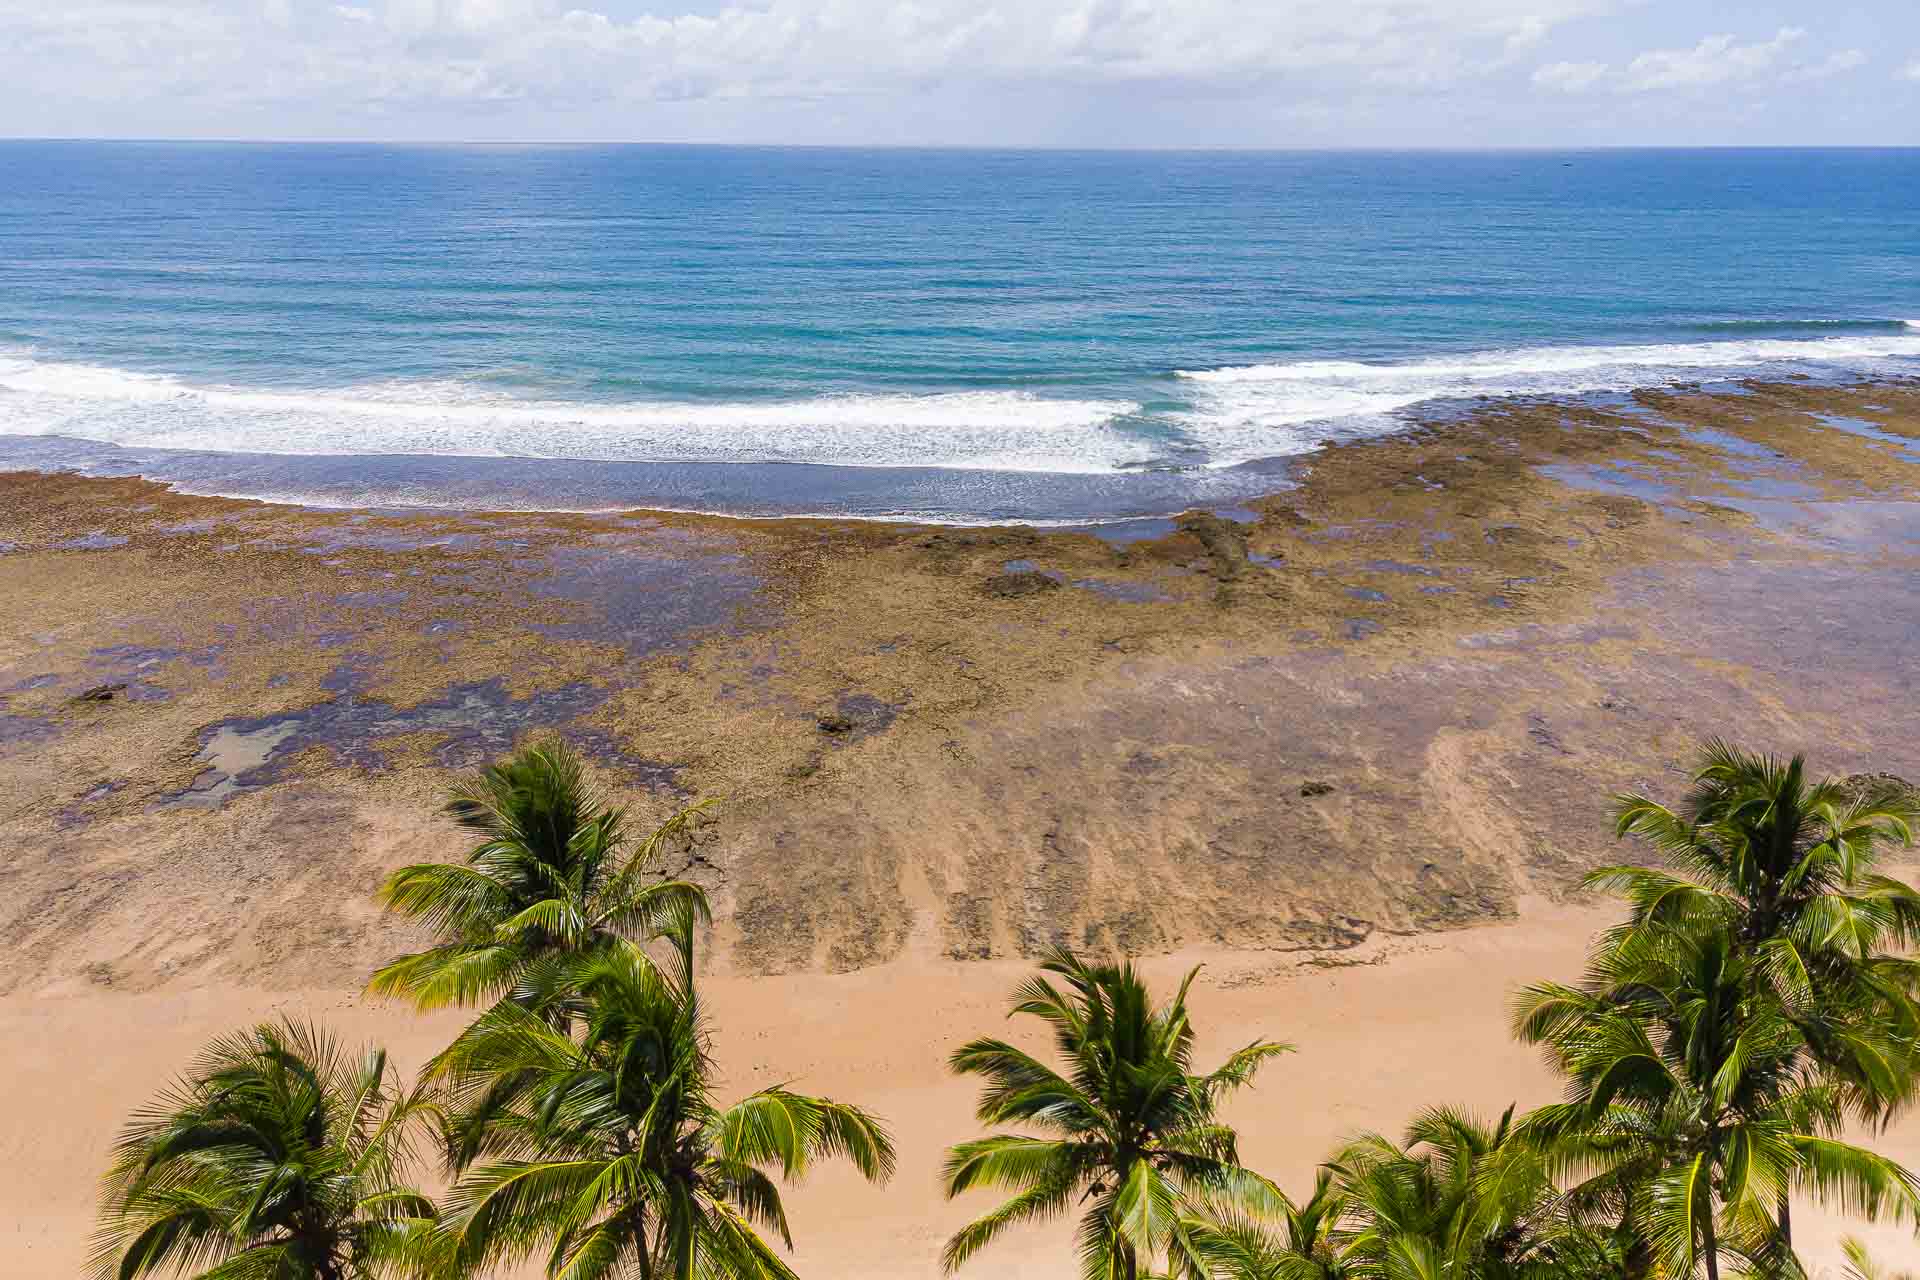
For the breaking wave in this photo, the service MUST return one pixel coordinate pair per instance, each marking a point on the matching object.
(1212, 418)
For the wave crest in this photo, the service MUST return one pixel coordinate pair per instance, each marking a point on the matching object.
(1218, 418)
(995, 430)
(1238, 411)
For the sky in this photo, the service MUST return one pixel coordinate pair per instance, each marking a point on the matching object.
(1072, 73)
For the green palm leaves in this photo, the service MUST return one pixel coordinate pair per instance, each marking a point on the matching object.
(580, 1121)
(1300, 1243)
(279, 1155)
(1786, 867)
(1128, 1130)
(1748, 1006)
(1458, 1199)
(1693, 1111)
(601, 1149)
(553, 874)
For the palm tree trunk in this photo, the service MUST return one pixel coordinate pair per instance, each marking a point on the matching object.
(1712, 1251)
(1637, 1262)
(1786, 1220)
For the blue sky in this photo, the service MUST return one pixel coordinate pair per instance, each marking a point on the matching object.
(1260, 73)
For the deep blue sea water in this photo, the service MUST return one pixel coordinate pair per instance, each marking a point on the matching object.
(957, 334)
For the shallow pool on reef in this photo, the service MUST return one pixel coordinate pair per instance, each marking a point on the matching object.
(645, 592)
(468, 724)
(1122, 591)
(1908, 445)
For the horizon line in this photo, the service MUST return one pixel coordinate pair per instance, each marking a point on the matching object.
(1189, 148)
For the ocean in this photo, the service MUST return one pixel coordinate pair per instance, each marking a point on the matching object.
(944, 335)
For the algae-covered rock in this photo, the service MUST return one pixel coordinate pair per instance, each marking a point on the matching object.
(1023, 582)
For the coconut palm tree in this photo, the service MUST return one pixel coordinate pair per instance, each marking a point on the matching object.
(1694, 1110)
(1300, 1245)
(1786, 867)
(552, 875)
(1459, 1198)
(278, 1157)
(599, 1146)
(1133, 1130)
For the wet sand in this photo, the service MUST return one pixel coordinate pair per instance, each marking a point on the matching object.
(1362, 731)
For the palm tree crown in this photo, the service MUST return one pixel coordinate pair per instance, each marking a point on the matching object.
(1138, 1132)
(1693, 1110)
(552, 875)
(1459, 1199)
(1299, 1243)
(600, 1141)
(278, 1158)
(1786, 867)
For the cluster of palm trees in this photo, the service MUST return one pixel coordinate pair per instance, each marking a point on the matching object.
(1756, 1005)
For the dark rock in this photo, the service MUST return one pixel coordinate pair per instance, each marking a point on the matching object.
(1026, 582)
(102, 693)
(858, 715)
(1224, 540)
(1311, 789)
(1542, 733)
(1878, 786)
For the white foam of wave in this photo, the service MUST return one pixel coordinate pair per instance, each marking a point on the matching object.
(988, 430)
(1265, 410)
(1230, 415)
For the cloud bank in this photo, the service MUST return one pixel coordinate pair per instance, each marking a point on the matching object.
(349, 67)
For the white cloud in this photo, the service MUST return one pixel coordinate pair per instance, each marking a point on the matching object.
(1836, 63)
(1119, 71)
(1715, 60)
(1570, 77)
(1911, 71)
(1527, 32)
(385, 51)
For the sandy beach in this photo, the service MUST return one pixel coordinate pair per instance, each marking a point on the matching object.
(1380, 1033)
(1349, 745)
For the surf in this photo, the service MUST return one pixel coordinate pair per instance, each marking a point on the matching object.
(1198, 418)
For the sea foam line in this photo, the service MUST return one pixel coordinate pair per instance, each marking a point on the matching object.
(1224, 416)
(990, 430)
(1243, 412)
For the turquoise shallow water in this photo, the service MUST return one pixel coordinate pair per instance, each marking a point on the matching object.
(953, 334)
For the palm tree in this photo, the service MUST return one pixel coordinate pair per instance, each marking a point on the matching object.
(1239, 1246)
(599, 1141)
(1693, 1110)
(1785, 867)
(1458, 1199)
(279, 1157)
(552, 875)
(1138, 1133)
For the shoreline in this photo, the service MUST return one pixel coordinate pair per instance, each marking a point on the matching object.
(772, 491)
